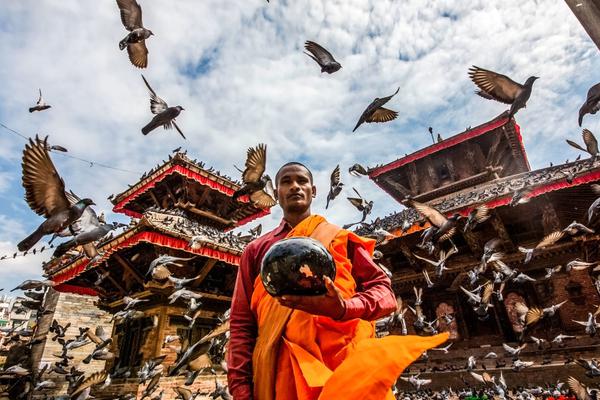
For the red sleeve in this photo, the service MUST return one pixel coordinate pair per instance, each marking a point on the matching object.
(374, 296)
(243, 331)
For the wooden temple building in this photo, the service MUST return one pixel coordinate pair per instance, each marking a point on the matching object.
(486, 165)
(175, 202)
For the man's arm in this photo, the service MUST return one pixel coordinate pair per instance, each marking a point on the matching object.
(374, 296)
(243, 332)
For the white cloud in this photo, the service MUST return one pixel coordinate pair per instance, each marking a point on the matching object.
(259, 87)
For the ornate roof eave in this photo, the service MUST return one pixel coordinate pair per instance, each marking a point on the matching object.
(497, 122)
(499, 192)
(226, 246)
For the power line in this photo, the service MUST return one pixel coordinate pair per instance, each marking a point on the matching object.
(90, 162)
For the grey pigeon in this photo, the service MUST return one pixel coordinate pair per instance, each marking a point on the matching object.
(135, 41)
(375, 112)
(45, 193)
(592, 102)
(165, 115)
(357, 170)
(322, 57)
(335, 185)
(495, 86)
(362, 205)
(40, 105)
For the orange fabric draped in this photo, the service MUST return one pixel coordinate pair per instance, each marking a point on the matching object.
(322, 359)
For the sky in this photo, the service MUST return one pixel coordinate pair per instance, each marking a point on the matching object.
(238, 69)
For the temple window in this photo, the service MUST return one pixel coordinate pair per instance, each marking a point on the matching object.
(442, 310)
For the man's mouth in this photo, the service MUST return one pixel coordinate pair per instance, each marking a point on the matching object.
(295, 196)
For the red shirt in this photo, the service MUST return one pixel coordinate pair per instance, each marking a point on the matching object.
(374, 299)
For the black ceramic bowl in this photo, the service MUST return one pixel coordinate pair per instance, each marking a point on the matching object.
(296, 266)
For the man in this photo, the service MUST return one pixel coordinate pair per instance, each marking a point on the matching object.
(307, 347)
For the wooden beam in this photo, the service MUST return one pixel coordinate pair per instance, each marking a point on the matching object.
(212, 296)
(136, 275)
(206, 268)
(154, 198)
(588, 14)
(203, 196)
(193, 209)
(122, 291)
(162, 322)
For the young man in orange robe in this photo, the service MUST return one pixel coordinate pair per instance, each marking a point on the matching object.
(315, 347)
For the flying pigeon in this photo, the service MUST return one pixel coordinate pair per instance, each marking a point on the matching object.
(335, 185)
(257, 185)
(548, 240)
(376, 113)
(591, 144)
(592, 102)
(494, 86)
(135, 41)
(361, 205)
(165, 115)
(40, 105)
(477, 216)
(357, 170)
(45, 193)
(322, 57)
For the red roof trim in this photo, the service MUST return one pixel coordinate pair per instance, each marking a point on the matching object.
(521, 145)
(66, 288)
(453, 141)
(538, 191)
(151, 237)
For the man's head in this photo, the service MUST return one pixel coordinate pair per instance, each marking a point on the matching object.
(294, 188)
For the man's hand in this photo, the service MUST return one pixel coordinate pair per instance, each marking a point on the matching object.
(331, 304)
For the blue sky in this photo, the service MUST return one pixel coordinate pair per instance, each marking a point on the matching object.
(238, 70)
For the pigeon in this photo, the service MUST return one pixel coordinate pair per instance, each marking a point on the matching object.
(166, 260)
(575, 228)
(335, 185)
(30, 284)
(40, 105)
(519, 365)
(135, 41)
(520, 196)
(85, 384)
(257, 185)
(594, 208)
(578, 265)
(322, 57)
(357, 170)
(362, 205)
(592, 102)
(130, 302)
(442, 228)
(550, 271)
(45, 194)
(185, 393)
(582, 392)
(591, 326)
(415, 381)
(513, 351)
(445, 349)
(548, 240)
(592, 367)
(591, 144)
(471, 363)
(165, 115)
(376, 113)
(220, 392)
(440, 265)
(560, 338)
(477, 216)
(539, 342)
(494, 86)
(484, 378)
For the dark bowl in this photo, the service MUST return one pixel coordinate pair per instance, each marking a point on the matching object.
(296, 266)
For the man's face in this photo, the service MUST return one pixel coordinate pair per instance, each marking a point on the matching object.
(295, 190)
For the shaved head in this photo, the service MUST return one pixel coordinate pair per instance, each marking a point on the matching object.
(290, 164)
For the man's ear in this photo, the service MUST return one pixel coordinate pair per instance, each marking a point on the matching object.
(314, 191)
(275, 194)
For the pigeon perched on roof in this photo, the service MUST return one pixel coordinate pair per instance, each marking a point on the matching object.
(257, 185)
(45, 193)
(40, 105)
(592, 102)
(135, 41)
(375, 112)
(495, 86)
(335, 185)
(165, 115)
(322, 57)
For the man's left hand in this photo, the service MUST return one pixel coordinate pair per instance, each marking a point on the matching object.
(331, 304)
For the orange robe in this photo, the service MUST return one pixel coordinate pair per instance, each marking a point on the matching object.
(317, 357)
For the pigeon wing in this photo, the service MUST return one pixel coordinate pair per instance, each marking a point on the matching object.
(255, 163)
(93, 379)
(497, 86)
(356, 202)
(482, 214)
(157, 105)
(576, 145)
(184, 393)
(262, 199)
(590, 141)
(382, 115)
(138, 55)
(131, 14)
(219, 330)
(550, 239)
(434, 216)
(40, 100)
(577, 388)
(335, 176)
(44, 188)
(533, 315)
(322, 55)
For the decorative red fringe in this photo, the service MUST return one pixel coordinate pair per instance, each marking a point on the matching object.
(66, 288)
(151, 237)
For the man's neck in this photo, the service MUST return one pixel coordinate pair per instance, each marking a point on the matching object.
(294, 219)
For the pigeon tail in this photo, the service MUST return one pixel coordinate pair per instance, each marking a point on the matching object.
(32, 109)
(63, 248)
(31, 240)
(148, 128)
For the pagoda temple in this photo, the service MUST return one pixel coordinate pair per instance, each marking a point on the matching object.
(179, 209)
(486, 165)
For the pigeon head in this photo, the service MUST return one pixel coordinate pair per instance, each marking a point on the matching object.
(530, 80)
(150, 32)
(86, 202)
(180, 108)
(455, 217)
